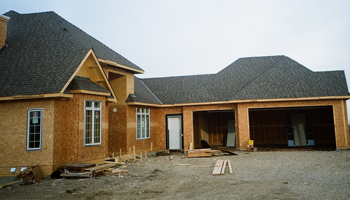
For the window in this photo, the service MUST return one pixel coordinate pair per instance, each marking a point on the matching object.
(34, 129)
(93, 122)
(142, 121)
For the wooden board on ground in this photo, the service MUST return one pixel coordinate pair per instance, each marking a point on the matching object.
(77, 166)
(75, 175)
(230, 167)
(198, 153)
(223, 167)
(100, 167)
(115, 171)
(217, 168)
(183, 164)
(199, 166)
(227, 151)
(11, 183)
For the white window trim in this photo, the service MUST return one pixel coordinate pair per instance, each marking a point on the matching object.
(93, 124)
(41, 128)
(149, 123)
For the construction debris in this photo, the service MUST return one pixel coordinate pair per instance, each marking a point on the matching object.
(220, 167)
(11, 183)
(31, 175)
(208, 152)
(229, 152)
(87, 170)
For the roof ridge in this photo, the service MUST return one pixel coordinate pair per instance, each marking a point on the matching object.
(273, 66)
(56, 17)
(176, 76)
(250, 57)
(150, 91)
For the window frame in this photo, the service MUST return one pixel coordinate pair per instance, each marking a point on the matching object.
(41, 110)
(143, 116)
(93, 109)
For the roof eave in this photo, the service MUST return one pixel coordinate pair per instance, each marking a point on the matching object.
(36, 96)
(136, 71)
(242, 101)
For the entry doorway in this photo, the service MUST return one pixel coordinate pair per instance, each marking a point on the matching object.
(216, 127)
(231, 133)
(174, 132)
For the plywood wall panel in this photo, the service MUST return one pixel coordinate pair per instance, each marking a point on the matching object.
(117, 128)
(69, 131)
(13, 135)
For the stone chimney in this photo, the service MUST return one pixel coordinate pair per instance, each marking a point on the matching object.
(3, 30)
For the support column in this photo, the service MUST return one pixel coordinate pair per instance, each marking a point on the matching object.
(187, 127)
(242, 129)
(341, 127)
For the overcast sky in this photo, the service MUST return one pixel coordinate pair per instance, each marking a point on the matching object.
(187, 37)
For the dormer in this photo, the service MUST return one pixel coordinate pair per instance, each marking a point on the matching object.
(121, 78)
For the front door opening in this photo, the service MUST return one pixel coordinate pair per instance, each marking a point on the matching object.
(174, 132)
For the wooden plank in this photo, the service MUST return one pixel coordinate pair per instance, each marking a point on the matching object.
(227, 151)
(116, 171)
(183, 164)
(200, 166)
(77, 175)
(192, 154)
(217, 168)
(11, 183)
(223, 167)
(100, 167)
(77, 166)
(230, 167)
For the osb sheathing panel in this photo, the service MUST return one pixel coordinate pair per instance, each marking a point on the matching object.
(3, 31)
(156, 136)
(339, 110)
(69, 131)
(13, 135)
(117, 128)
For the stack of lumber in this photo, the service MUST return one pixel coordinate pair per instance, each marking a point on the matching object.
(201, 153)
(87, 170)
(220, 167)
(208, 152)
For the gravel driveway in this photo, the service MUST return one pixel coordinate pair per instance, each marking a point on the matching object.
(257, 175)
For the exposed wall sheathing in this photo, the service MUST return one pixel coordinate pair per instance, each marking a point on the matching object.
(3, 30)
(69, 131)
(117, 128)
(13, 136)
(157, 138)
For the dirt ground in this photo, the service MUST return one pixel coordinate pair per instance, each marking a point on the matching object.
(256, 175)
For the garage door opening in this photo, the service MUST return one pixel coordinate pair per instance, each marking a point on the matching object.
(292, 127)
(217, 128)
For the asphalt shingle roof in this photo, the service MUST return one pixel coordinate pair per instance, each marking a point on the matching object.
(43, 52)
(269, 77)
(142, 93)
(82, 83)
